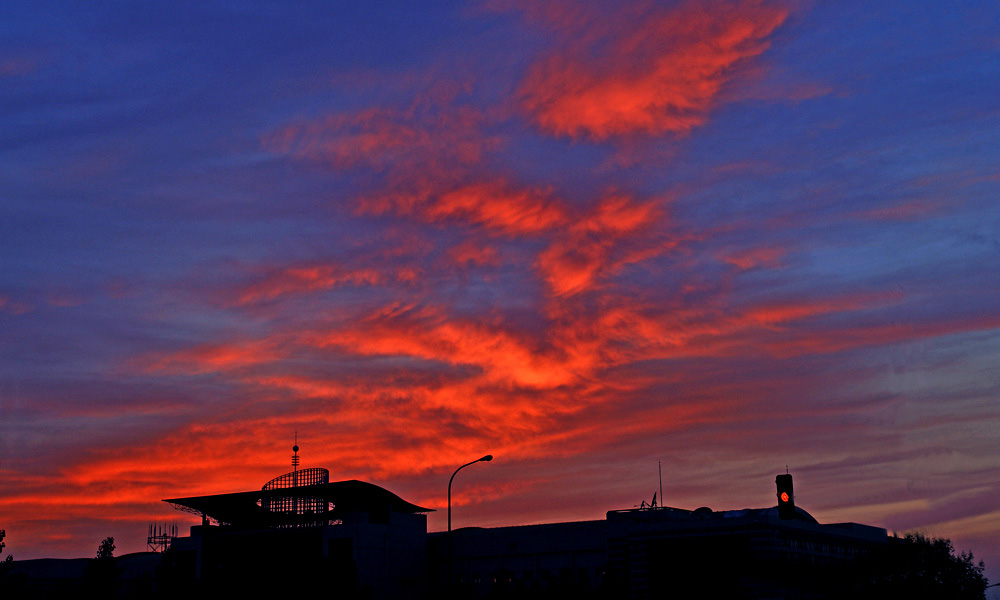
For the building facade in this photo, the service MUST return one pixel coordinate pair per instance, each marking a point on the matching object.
(289, 537)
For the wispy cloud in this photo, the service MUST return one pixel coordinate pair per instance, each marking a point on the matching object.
(663, 74)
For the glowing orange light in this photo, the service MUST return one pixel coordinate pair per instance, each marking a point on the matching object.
(784, 496)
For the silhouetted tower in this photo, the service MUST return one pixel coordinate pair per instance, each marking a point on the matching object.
(160, 537)
(786, 497)
(295, 471)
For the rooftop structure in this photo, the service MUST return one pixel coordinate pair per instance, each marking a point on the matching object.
(368, 539)
(299, 498)
(312, 504)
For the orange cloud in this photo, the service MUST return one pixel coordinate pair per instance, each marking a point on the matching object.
(210, 358)
(778, 313)
(499, 206)
(624, 331)
(494, 204)
(503, 356)
(523, 395)
(307, 278)
(827, 340)
(428, 151)
(599, 243)
(661, 75)
(383, 428)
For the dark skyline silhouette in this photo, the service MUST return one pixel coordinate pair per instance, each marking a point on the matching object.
(301, 533)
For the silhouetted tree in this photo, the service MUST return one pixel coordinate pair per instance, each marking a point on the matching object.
(101, 577)
(10, 585)
(107, 548)
(917, 567)
(10, 557)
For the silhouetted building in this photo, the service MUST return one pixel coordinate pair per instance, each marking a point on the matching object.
(300, 530)
(749, 553)
(658, 552)
(351, 539)
(544, 560)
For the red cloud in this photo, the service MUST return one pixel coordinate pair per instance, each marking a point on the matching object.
(382, 137)
(907, 211)
(827, 340)
(308, 278)
(661, 76)
(499, 206)
(428, 151)
(493, 204)
(473, 254)
(599, 243)
(211, 358)
(755, 257)
(504, 357)
(13, 307)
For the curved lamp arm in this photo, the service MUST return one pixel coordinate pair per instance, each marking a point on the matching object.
(486, 458)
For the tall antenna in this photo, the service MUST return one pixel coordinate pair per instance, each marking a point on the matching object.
(295, 472)
(659, 467)
(160, 536)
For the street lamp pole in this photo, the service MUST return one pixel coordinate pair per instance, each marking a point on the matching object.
(486, 458)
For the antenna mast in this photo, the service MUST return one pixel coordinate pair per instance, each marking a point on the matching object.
(659, 468)
(295, 472)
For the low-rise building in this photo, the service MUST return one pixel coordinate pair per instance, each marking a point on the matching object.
(301, 530)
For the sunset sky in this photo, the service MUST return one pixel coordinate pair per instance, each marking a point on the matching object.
(582, 237)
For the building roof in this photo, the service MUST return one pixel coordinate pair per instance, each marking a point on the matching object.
(678, 520)
(667, 513)
(244, 508)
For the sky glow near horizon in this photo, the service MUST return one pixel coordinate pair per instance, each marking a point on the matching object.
(584, 239)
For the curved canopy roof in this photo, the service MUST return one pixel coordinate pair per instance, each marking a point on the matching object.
(244, 508)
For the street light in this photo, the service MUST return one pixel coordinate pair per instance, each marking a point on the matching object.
(486, 458)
